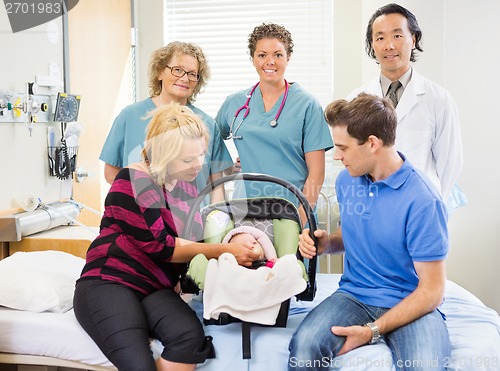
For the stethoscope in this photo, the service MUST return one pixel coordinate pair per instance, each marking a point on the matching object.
(273, 123)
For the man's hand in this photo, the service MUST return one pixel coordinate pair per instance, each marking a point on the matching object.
(355, 336)
(306, 243)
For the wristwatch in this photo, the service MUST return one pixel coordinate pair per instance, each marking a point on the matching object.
(375, 333)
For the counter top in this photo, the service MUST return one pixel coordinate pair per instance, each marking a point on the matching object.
(72, 239)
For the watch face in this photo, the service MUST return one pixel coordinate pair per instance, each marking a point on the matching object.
(67, 107)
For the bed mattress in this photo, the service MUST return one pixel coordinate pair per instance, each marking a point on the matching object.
(56, 335)
(474, 330)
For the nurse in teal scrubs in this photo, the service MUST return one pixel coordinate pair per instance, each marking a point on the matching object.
(177, 72)
(280, 129)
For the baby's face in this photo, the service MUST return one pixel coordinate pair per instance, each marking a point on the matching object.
(249, 239)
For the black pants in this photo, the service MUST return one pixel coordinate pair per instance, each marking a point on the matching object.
(121, 322)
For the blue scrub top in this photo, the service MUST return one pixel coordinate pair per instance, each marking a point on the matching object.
(386, 226)
(125, 140)
(278, 151)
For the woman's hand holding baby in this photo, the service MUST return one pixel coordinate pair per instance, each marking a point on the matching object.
(243, 252)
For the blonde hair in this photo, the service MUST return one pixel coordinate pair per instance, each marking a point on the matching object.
(170, 126)
(161, 58)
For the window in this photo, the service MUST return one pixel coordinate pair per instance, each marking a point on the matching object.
(221, 29)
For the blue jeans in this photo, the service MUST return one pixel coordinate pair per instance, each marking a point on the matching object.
(423, 344)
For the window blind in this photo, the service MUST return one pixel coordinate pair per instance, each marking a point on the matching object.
(221, 29)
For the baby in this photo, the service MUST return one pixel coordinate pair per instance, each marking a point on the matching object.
(260, 243)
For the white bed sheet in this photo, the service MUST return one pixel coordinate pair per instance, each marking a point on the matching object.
(474, 330)
(48, 334)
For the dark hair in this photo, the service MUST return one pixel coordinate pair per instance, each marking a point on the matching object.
(270, 31)
(412, 25)
(365, 115)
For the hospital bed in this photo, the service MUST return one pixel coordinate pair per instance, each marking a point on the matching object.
(56, 339)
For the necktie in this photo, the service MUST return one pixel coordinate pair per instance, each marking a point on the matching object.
(392, 92)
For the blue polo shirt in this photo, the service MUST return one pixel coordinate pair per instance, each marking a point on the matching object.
(386, 226)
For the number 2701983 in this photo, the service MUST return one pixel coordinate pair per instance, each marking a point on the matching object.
(43, 7)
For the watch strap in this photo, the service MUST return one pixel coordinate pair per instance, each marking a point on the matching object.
(375, 332)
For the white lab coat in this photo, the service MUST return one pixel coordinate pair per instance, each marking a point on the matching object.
(428, 131)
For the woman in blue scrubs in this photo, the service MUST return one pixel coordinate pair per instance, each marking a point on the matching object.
(177, 73)
(281, 129)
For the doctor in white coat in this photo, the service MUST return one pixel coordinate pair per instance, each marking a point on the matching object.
(428, 131)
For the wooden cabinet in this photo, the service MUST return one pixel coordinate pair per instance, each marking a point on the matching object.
(71, 239)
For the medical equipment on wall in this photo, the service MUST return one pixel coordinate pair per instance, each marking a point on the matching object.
(34, 106)
(43, 217)
(30, 107)
(38, 216)
(273, 123)
(62, 157)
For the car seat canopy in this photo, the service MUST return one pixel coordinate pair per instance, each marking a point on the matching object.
(277, 217)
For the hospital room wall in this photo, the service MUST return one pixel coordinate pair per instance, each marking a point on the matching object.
(470, 69)
(23, 157)
(460, 54)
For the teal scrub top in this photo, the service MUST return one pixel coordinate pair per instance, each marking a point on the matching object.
(278, 151)
(125, 140)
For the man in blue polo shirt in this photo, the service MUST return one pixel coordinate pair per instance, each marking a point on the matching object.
(395, 239)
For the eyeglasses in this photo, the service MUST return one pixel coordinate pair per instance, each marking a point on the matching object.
(179, 72)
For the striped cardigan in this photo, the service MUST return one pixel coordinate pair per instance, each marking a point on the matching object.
(137, 234)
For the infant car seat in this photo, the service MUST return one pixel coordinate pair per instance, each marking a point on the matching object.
(277, 217)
